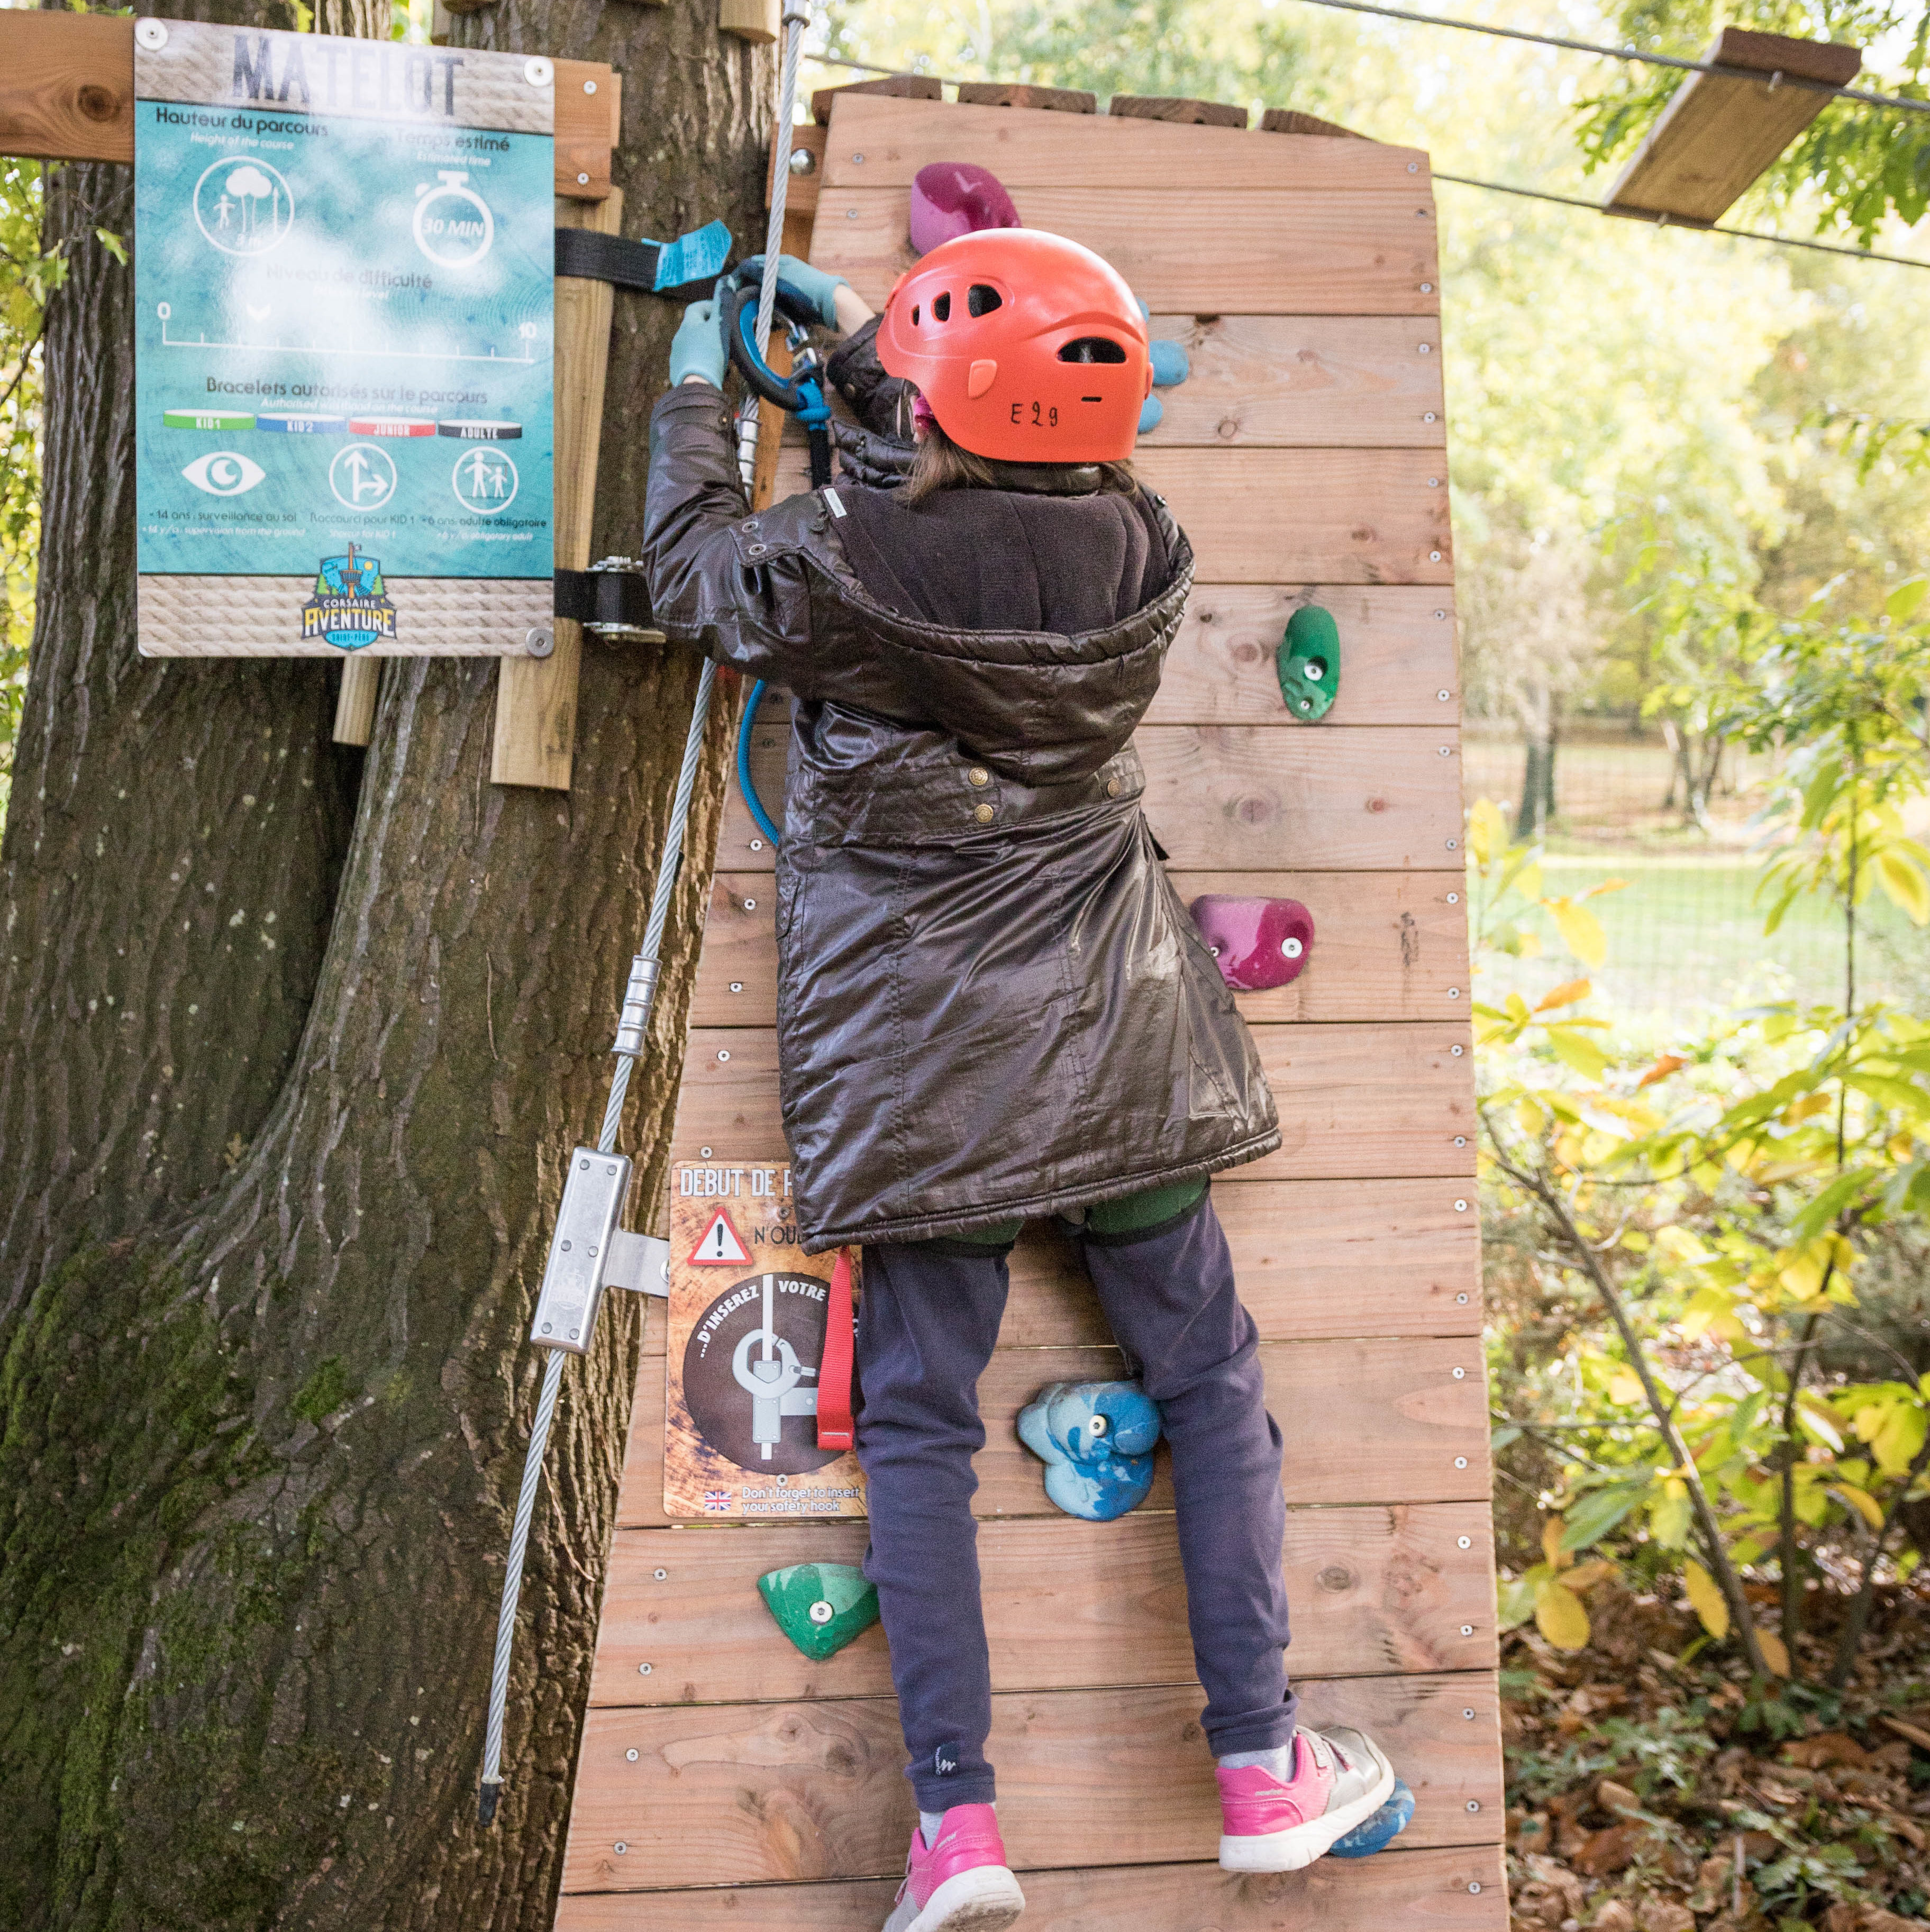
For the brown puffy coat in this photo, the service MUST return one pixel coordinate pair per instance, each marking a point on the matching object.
(991, 1003)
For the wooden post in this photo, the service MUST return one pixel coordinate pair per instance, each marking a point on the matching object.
(536, 697)
(760, 22)
(355, 702)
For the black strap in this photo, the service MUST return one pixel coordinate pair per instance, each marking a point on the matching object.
(608, 258)
(597, 597)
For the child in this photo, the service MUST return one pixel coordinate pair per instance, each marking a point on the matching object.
(991, 1006)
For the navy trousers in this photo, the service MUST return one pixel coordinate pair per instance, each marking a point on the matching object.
(928, 1321)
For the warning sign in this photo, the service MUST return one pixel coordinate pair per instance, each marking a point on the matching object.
(747, 1319)
(719, 1245)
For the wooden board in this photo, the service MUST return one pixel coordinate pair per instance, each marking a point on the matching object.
(1387, 946)
(1277, 251)
(1301, 381)
(66, 93)
(1374, 1591)
(775, 1792)
(1720, 131)
(1275, 517)
(1248, 799)
(880, 143)
(1354, 1102)
(1316, 1260)
(1450, 1890)
(767, 1790)
(1429, 1438)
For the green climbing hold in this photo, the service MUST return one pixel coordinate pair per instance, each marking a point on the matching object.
(819, 1607)
(1308, 662)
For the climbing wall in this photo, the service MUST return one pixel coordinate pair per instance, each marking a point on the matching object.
(1305, 455)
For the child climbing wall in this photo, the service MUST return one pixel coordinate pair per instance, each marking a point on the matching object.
(1304, 454)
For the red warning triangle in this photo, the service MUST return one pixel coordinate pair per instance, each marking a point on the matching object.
(720, 1245)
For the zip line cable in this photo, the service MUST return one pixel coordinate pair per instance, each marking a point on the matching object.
(1689, 227)
(639, 996)
(1632, 54)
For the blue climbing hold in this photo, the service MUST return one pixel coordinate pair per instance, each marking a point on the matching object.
(1169, 363)
(1151, 411)
(1375, 1834)
(1096, 1440)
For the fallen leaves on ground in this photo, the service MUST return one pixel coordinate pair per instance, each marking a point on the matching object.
(1653, 1787)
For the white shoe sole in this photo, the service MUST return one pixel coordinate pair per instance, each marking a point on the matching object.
(1299, 1846)
(985, 1900)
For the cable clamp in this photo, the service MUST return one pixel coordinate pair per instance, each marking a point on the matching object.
(639, 997)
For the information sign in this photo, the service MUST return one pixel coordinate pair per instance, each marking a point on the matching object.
(344, 278)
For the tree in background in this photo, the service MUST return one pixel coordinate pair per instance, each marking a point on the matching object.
(296, 1039)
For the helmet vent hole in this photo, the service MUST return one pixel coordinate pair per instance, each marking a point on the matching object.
(915, 315)
(1092, 348)
(981, 298)
(941, 307)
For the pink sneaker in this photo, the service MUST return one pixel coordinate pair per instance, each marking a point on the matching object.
(1339, 1780)
(961, 1884)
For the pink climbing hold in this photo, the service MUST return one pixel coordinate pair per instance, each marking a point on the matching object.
(954, 198)
(1259, 943)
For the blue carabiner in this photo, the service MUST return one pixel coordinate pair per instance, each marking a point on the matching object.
(747, 784)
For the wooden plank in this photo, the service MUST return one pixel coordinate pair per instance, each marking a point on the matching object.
(1012, 93)
(1291, 121)
(1401, 1419)
(882, 143)
(922, 87)
(356, 698)
(1387, 946)
(66, 93)
(1316, 1260)
(66, 85)
(760, 22)
(1352, 382)
(1278, 252)
(1174, 108)
(1718, 133)
(1356, 1102)
(1397, 658)
(1248, 799)
(776, 1792)
(1290, 516)
(1461, 1889)
(1374, 1592)
(800, 193)
(535, 732)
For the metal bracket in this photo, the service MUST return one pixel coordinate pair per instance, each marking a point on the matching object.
(638, 1262)
(590, 1252)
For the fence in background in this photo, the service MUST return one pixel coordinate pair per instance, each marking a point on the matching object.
(1686, 932)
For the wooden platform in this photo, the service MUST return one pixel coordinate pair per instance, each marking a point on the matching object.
(725, 1781)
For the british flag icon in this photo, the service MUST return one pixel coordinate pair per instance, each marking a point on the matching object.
(717, 1499)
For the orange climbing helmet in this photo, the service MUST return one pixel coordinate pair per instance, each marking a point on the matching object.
(1026, 347)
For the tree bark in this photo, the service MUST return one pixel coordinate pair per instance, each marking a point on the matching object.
(297, 1052)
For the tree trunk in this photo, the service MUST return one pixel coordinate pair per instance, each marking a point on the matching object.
(298, 1050)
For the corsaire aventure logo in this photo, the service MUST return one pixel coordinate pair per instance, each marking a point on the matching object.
(350, 608)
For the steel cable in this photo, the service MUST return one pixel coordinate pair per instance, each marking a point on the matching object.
(796, 16)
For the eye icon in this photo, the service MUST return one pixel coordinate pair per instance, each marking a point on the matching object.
(222, 472)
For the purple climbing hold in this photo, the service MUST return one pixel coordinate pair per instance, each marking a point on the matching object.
(1258, 943)
(954, 198)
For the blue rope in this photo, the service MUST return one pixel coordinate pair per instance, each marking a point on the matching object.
(746, 783)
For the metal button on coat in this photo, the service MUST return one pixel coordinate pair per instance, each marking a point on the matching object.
(983, 813)
(1111, 788)
(978, 775)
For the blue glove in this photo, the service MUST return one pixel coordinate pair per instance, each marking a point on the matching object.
(697, 349)
(813, 287)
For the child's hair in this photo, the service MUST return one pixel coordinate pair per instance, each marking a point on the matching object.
(940, 464)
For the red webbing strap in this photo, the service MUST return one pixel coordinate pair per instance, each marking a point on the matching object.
(834, 1372)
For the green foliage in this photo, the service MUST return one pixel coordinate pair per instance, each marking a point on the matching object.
(1721, 1194)
(1859, 165)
